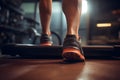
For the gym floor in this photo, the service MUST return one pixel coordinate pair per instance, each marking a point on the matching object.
(56, 69)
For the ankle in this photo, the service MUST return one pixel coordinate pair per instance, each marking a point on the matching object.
(47, 33)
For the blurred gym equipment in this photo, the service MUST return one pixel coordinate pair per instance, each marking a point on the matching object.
(17, 28)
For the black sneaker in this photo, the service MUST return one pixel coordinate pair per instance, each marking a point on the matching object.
(45, 40)
(72, 50)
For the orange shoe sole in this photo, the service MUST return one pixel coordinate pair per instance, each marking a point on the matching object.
(72, 54)
(46, 44)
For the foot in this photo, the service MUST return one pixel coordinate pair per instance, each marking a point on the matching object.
(72, 50)
(45, 40)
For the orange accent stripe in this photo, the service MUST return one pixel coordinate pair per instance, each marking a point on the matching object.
(67, 50)
(46, 44)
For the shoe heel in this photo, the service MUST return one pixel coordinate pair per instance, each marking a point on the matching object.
(72, 54)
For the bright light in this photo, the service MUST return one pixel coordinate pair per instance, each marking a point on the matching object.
(104, 25)
(84, 6)
(56, 7)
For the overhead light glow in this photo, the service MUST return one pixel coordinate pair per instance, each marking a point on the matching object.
(104, 25)
(84, 6)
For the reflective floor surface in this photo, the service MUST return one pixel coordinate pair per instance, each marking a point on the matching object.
(56, 69)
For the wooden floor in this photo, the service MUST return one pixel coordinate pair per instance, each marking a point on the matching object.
(48, 69)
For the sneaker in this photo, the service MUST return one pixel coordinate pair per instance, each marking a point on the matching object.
(72, 50)
(45, 40)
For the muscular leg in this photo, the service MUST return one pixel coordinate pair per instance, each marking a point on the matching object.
(45, 7)
(72, 11)
(71, 47)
